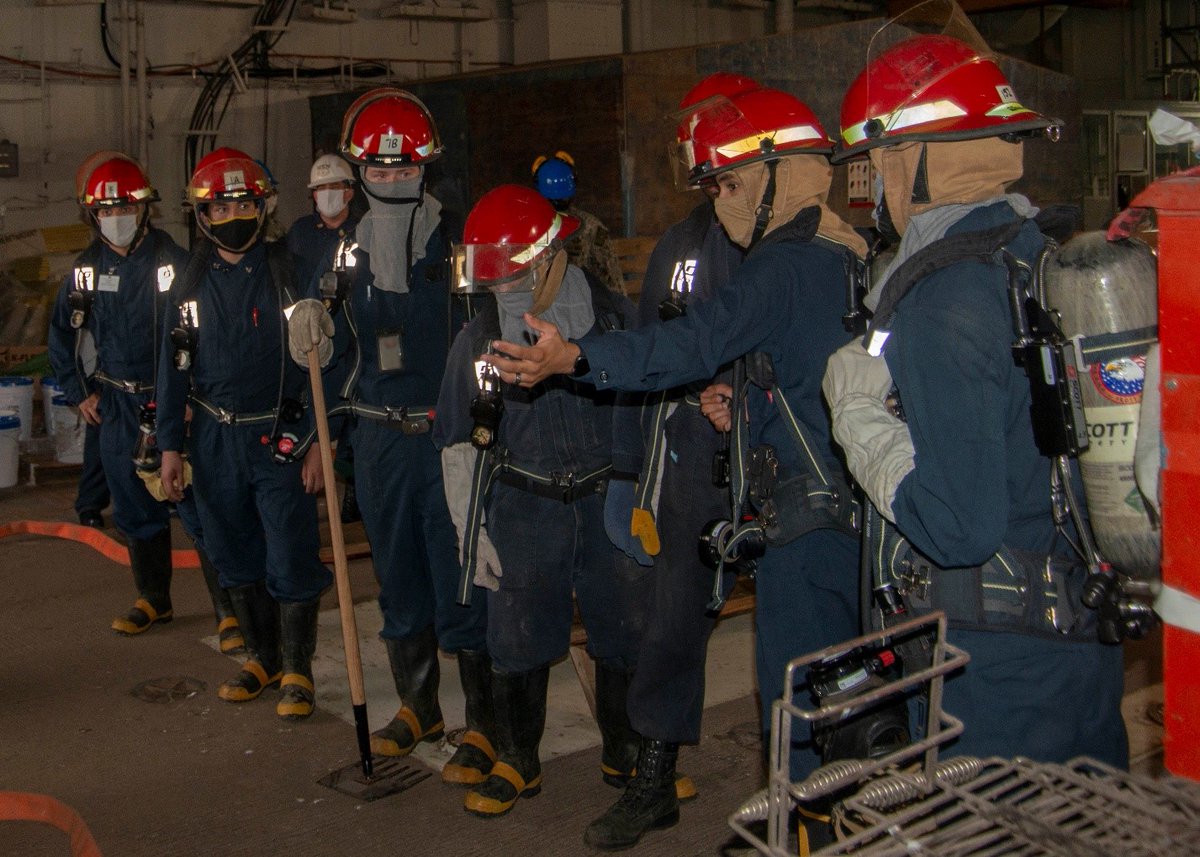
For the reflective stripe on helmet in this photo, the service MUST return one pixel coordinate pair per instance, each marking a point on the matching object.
(905, 117)
(534, 249)
(753, 143)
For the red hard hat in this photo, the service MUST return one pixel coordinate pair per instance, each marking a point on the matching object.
(389, 127)
(930, 88)
(723, 83)
(509, 231)
(755, 125)
(107, 179)
(228, 175)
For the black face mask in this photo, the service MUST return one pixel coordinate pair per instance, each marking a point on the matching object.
(236, 235)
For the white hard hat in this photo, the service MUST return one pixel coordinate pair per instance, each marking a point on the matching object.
(329, 168)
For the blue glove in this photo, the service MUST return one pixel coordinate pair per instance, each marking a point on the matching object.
(618, 517)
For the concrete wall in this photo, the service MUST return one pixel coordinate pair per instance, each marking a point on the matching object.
(816, 65)
(58, 117)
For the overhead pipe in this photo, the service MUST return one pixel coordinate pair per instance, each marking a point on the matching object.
(143, 91)
(126, 105)
(785, 16)
(634, 39)
(507, 29)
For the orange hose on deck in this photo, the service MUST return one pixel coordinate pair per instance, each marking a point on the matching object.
(117, 552)
(25, 806)
(93, 538)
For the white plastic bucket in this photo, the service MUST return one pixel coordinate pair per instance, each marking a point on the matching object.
(18, 390)
(50, 389)
(69, 429)
(10, 430)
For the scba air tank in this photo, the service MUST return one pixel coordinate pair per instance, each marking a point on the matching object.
(1107, 293)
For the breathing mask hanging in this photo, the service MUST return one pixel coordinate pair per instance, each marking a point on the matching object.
(184, 336)
(487, 407)
(335, 284)
(147, 457)
(82, 296)
(284, 443)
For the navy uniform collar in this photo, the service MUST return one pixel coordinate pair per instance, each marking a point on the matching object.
(251, 260)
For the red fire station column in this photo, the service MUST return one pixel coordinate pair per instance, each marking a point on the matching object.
(1176, 200)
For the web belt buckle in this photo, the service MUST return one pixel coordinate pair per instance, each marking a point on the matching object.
(564, 482)
(915, 579)
(407, 424)
(226, 418)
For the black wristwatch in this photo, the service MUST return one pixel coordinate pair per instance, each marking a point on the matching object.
(581, 366)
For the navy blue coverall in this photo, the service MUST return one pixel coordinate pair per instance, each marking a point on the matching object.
(313, 243)
(548, 548)
(124, 319)
(666, 695)
(979, 483)
(787, 300)
(259, 523)
(398, 475)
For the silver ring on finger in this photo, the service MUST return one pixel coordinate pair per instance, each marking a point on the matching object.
(517, 378)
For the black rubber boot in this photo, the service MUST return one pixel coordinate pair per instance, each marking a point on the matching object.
(415, 670)
(618, 757)
(298, 622)
(229, 633)
(258, 616)
(473, 760)
(350, 511)
(519, 706)
(150, 560)
(649, 803)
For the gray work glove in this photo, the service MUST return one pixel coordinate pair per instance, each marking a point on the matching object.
(309, 326)
(458, 469)
(879, 449)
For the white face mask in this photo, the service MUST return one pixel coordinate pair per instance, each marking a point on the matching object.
(331, 203)
(119, 230)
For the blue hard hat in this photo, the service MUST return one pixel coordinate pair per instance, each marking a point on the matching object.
(267, 170)
(555, 178)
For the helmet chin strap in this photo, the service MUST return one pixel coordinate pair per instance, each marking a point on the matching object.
(545, 293)
(765, 210)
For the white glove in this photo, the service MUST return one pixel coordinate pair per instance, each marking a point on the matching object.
(487, 563)
(458, 470)
(309, 326)
(879, 449)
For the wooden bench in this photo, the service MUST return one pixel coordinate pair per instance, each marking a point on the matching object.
(634, 255)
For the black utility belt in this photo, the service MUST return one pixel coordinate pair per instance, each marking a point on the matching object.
(1019, 591)
(232, 418)
(558, 486)
(125, 386)
(407, 420)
